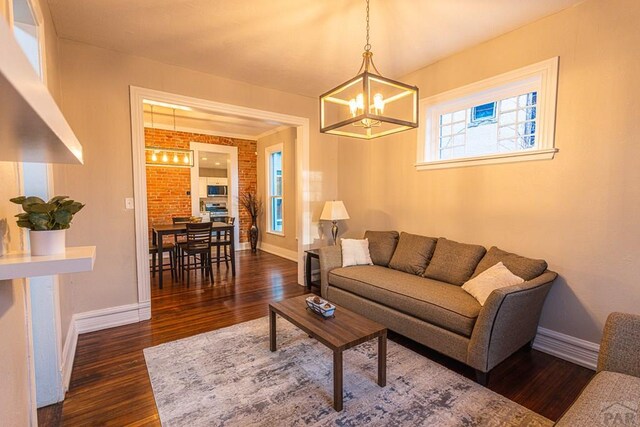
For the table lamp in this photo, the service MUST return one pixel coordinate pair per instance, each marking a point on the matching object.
(334, 211)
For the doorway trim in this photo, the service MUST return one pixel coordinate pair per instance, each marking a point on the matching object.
(303, 205)
(234, 186)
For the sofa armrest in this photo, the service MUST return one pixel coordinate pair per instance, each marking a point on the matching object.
(330, 258)
(508, 320)
(620, 347)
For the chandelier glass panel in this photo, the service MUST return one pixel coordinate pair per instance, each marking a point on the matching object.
(369, 105)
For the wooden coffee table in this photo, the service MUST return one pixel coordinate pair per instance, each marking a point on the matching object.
(347, 329)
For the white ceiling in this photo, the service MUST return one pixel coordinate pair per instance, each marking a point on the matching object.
(212, 160)
(300, 46)
(199, 121)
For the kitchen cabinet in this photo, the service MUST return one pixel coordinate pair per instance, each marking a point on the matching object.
(217, 181)
(202, 186)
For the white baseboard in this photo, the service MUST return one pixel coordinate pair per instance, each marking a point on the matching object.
(144, 310)
(244, 246)
(111, 317)
(566, 347)
(69, 353)
(281, 252)
(96, 320)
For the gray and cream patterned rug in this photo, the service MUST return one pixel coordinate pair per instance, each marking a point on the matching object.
(228, 377)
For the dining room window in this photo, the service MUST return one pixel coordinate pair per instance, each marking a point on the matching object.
(275, 211)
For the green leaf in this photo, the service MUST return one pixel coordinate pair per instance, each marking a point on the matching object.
(57, 199)
(40, 221)
(22, 215)
(62, 217)
(18, 200)
(74, 207)
(33, 199)
(25, 224)
(42, 208)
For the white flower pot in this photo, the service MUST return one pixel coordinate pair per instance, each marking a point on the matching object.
(50, 242)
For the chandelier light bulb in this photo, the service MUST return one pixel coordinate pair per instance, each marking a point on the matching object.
(353, 106)
(165, 158)
(360, 102)
(186, 158)
(175, 158)
(154, 157)
(378, 104)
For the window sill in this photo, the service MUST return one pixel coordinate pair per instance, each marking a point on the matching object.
(275, 233)
(523, 156)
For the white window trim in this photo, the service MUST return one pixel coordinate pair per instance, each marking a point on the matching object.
(542, 77)
(268, 151)
(39, 24)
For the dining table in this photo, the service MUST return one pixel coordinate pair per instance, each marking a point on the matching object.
(217, 228)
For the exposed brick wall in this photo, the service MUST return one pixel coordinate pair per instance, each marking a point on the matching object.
(167, 187)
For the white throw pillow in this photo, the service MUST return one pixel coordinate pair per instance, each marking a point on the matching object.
(355, 252)
(496, 277)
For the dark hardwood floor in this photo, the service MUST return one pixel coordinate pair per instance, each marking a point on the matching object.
(110, 385)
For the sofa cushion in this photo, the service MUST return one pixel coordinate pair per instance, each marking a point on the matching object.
(610, 398)
(440, 304)
(526, 268)
(382, 245)
(496, 277)
(454, 262)
(355, 252)
(413, 253)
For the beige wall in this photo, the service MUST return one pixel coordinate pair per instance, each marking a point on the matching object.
(16, 404)
(288, 138)
(579, 211)
(15, 365)
(95, 92)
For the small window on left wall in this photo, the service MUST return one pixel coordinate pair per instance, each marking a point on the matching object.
(26, 30)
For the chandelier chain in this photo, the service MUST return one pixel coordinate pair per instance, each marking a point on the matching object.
(367, 47)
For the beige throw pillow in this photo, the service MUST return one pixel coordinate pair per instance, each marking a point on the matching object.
(496, 277)
(355, 252)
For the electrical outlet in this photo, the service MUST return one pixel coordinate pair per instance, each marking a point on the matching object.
(128, 203)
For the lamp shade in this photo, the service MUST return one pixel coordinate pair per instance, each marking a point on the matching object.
(334, 211)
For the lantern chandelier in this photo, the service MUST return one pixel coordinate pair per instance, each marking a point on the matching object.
(368, 105)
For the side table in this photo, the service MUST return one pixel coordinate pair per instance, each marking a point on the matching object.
(309, 255)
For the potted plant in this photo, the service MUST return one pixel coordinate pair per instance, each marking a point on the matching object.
(46, 221)
(253, 204)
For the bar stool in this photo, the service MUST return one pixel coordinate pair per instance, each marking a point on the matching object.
(179, 239)
(223, 240)
(198, 246)
(153, 251)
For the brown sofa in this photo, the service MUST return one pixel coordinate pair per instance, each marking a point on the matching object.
(612, 396)
(414, 288)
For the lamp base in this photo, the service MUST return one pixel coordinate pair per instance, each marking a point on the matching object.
(334, 232)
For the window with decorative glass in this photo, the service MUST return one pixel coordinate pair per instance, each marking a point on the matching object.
(506, 118)
(275, 211)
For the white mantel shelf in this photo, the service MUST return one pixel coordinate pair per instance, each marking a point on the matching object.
(75, 259)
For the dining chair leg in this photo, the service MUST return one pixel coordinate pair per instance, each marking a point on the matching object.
(210, 267)
(188, 267)
(153, 264)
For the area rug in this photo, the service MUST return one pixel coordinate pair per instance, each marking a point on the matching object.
(228, 377)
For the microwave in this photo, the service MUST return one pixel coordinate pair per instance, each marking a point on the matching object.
(217, 190)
